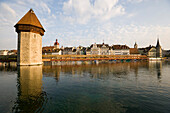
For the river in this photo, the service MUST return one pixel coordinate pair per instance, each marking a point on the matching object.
(136, 87)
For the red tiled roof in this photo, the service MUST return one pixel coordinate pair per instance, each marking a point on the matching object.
(48, 47)
(134, 51)
(120, 47)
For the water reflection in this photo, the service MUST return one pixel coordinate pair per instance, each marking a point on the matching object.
(31, 97)
(101, 71)
(105, 88)
(10, 67)
(156, 66)
(121, 87)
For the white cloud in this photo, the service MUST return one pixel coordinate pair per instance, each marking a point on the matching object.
(131, 15)
(135, 1)
(117, 34)
(84, 10)
(8, 8)
(45, 7)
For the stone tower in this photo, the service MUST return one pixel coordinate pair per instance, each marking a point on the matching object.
(158, 49)
(135, 45)
(30, 32)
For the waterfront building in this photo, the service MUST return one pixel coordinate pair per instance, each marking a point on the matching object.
(12, 52)
(165, 53)
(120, 50)
(105, 49)
(88, 51)
(134, 52)
(30, 32)
(152, 51)
(99, 49)
(69, 51)
(94, 49)
(52, 50)
(3, 52)
(80, 50)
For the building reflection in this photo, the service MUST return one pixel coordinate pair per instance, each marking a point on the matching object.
(101, 71)
(9, 67)
(30, 96)
(52, 71)
(156, 66)
(159, 70)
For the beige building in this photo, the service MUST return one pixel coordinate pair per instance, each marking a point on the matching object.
(99, 49)
(3, 52)
(30, 32)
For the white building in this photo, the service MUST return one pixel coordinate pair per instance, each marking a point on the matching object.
(3, 52)
(119, 50)
(99, 49)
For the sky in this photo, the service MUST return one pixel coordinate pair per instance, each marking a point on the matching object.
(85, 22)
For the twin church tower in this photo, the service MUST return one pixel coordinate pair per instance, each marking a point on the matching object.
(30, 32)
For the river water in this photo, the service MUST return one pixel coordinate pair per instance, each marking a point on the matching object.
(138, 87)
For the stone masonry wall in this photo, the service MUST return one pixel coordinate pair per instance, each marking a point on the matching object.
(29, 48)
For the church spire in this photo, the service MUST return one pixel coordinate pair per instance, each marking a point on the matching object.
(135, 45)
(158, 44)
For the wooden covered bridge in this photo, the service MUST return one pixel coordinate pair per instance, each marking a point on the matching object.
(55, 59)
(92, 57)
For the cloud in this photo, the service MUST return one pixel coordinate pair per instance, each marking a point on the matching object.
(117, 34)
(135, 1)
(8, 8)
(85, 10)
(45, 7)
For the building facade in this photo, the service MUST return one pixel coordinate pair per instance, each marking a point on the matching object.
(152, 51)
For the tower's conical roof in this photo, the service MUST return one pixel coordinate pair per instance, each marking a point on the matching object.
(30, 19)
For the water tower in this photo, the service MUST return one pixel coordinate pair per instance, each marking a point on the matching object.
(30, 32)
